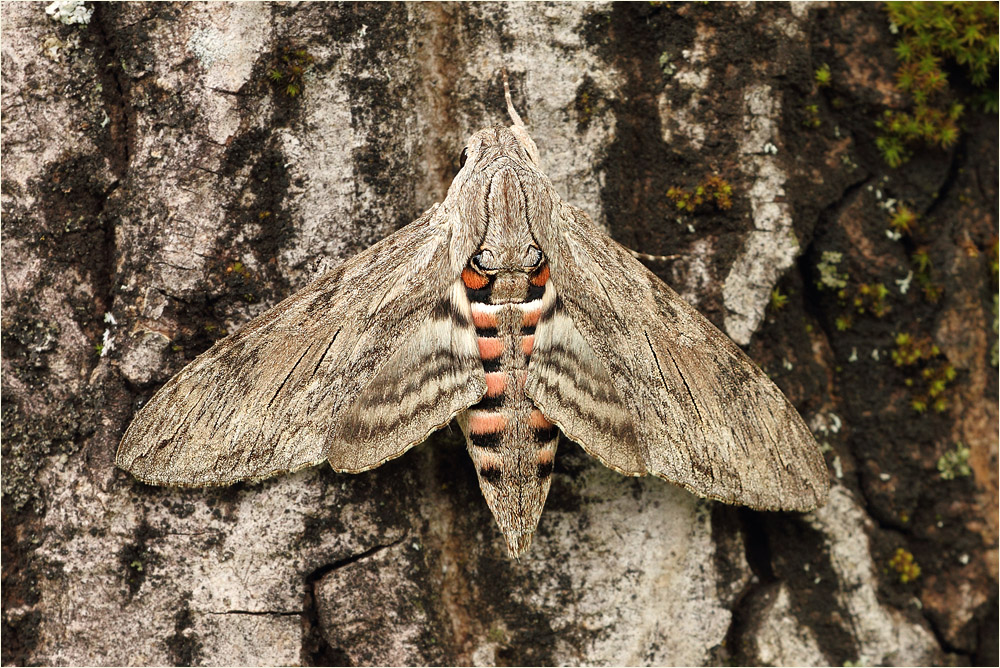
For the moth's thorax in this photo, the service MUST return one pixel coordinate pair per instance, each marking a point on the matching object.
(508, 228)
(510, 287)
(510, 441)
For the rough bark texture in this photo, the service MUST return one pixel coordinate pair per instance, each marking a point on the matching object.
(154, 171)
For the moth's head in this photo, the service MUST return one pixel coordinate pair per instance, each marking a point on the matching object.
(500, 203)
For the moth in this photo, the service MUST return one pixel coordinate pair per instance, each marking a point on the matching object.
(508, 309)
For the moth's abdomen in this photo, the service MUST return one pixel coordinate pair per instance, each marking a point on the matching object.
(511, 443)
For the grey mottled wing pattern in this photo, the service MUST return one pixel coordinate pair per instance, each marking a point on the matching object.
(571, 385)
(284, 392)
(702, 414)
(435, 373)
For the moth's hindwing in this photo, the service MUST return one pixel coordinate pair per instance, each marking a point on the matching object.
(703, 415)
(572, 386)
(435, 374)
(264, 400)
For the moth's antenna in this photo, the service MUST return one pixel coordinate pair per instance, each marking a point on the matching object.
(510, 103)
(518, 128)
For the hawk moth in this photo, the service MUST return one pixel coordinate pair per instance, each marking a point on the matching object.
(508, 309)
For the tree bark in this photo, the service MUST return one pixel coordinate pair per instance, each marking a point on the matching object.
(169, 174)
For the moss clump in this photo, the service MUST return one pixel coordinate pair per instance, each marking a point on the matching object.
(910, 350)
(923, 267)
(905, 565)
(859, 299)
(811, 117)
(930, 376)
(871, 298)
(955, 463)
(903, 219)
(778, 299)
(822, 76)
(713, 190)
(905, 222)
(287, 71)
(931, 35)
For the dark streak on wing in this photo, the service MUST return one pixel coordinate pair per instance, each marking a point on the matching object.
(322, 357)
(694, 400)
(446, 310)
(289, 375)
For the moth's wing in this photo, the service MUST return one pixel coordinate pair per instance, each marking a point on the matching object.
(319, 376)
(435, 373)
(694, 409)
(571, 385)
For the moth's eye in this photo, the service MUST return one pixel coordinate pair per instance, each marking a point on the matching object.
(533, 257)
(462, 158)
(485, 260)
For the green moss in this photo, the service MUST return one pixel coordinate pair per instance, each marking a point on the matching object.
(924, 274)
(778, 300)
(905, 565)
(932, 34)
(822, 76)
(871, 298)
(955, 463)
(910, 350)
(811, 118)
(903, 219)
(930, 376)
(288, 69)
(713, 190)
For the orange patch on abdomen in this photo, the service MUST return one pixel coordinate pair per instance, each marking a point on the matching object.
(484, 320)
(473, 280)
(530, 318)
(541, 278)
(490, 347)
(538, 420)
(481, 422)
(496, 383)
(527, 343)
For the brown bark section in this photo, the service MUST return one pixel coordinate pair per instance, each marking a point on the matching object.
(155, 170)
